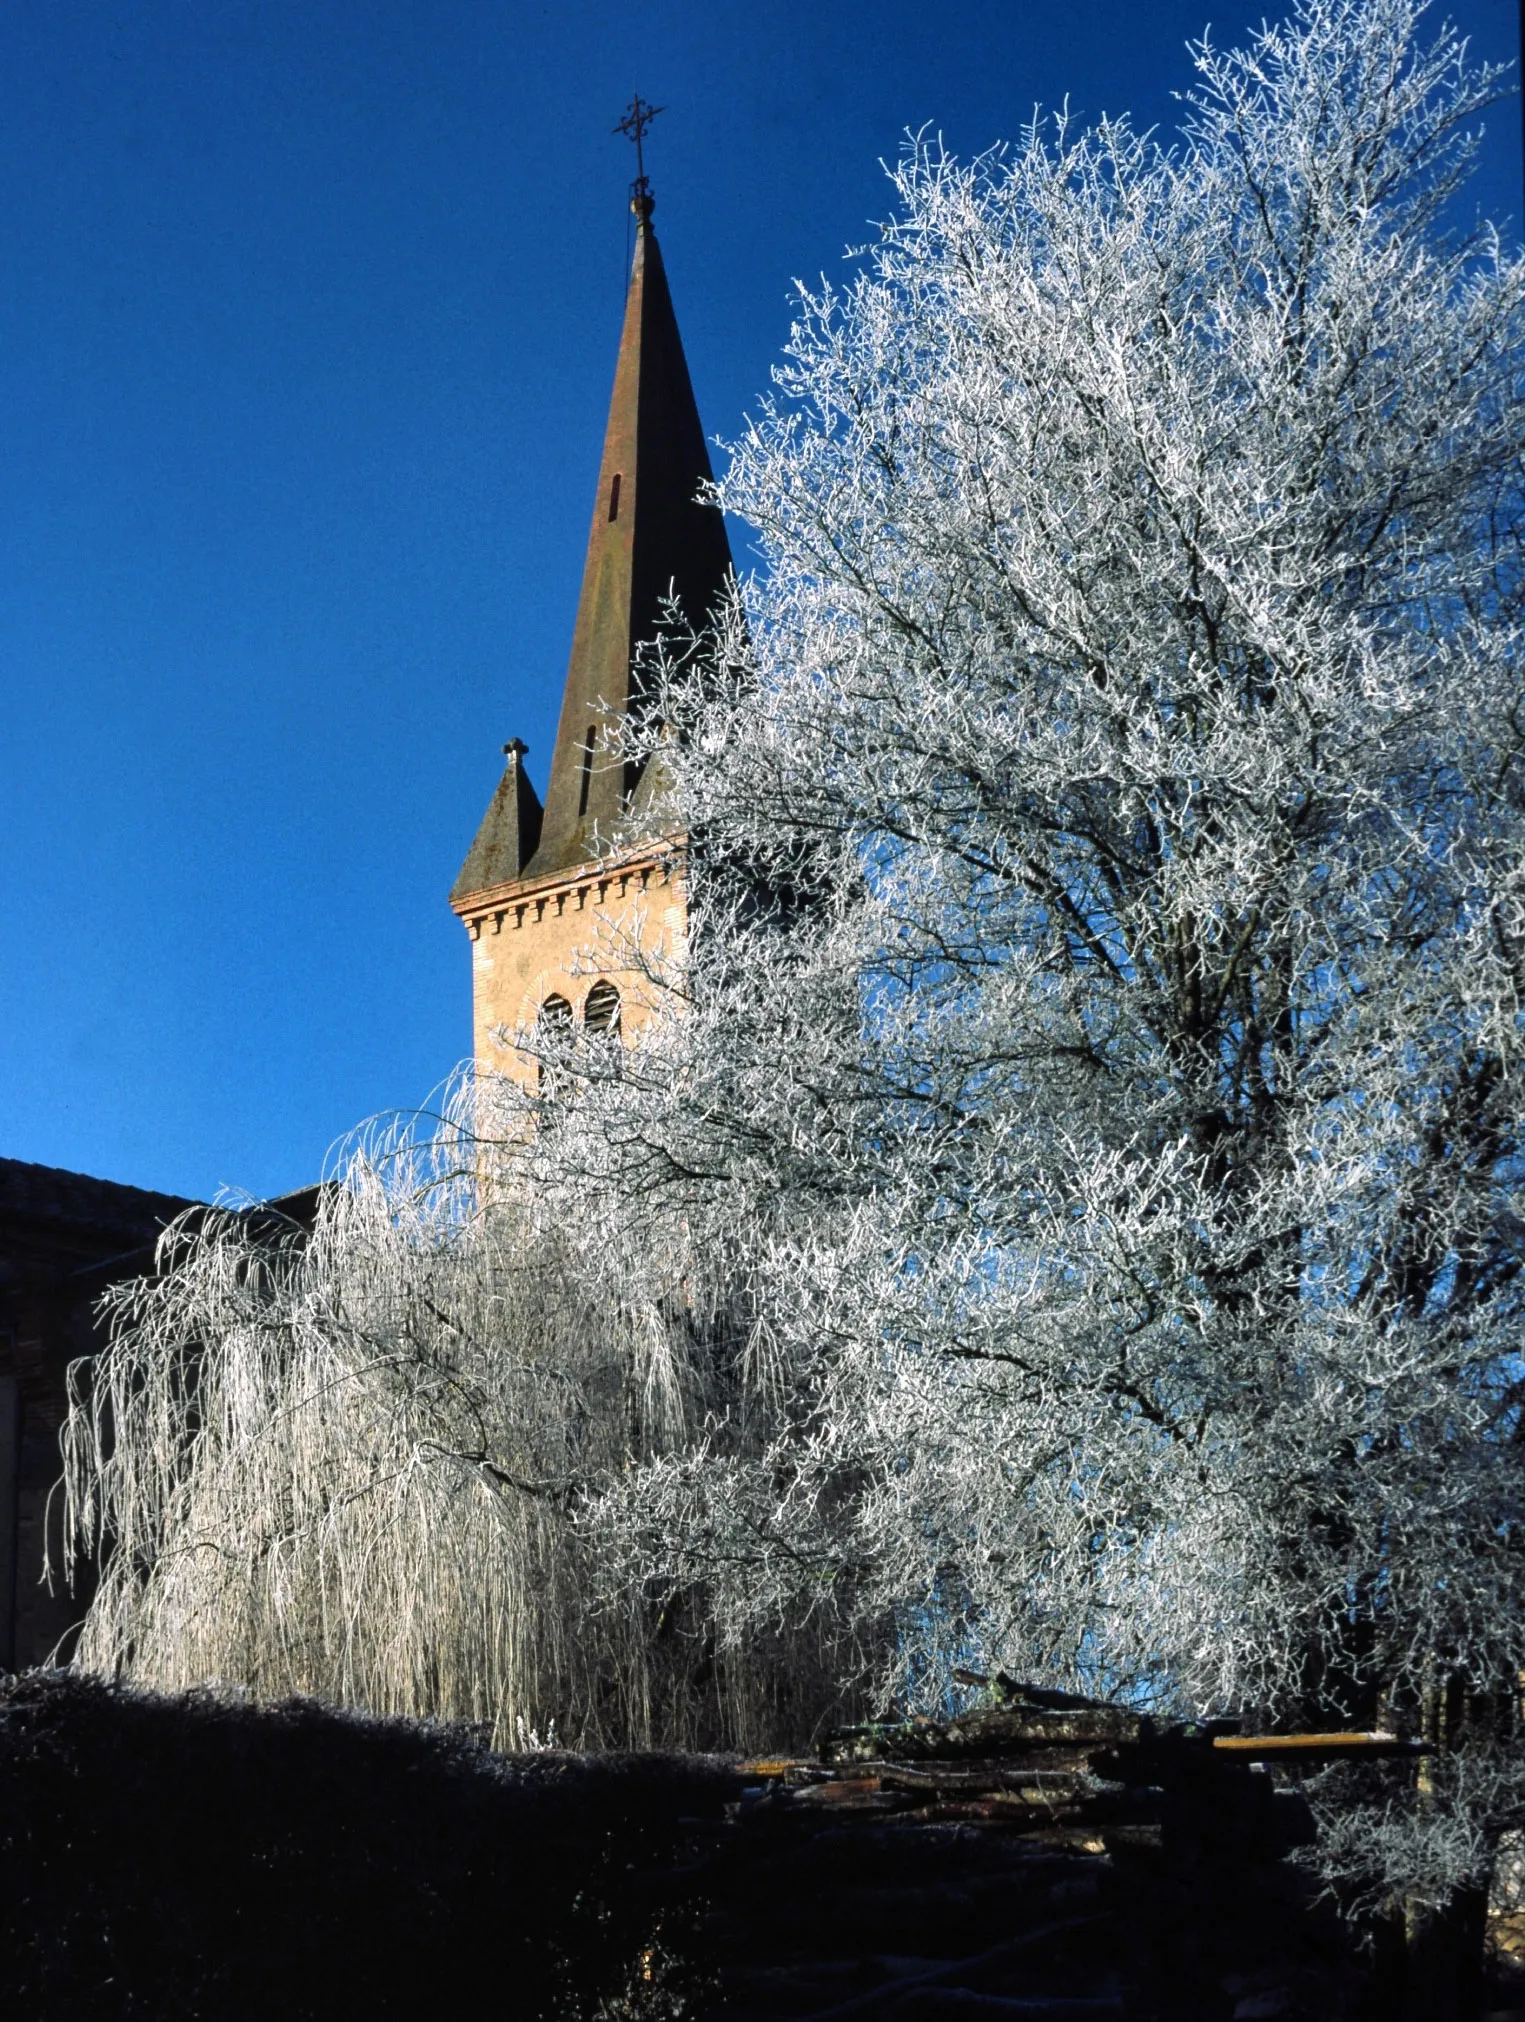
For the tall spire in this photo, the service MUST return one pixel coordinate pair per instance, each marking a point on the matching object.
(542, 889)
(649, 538)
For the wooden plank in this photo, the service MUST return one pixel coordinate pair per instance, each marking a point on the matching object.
(1316, 1744)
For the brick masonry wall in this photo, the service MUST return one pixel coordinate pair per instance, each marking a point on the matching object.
(560, 936)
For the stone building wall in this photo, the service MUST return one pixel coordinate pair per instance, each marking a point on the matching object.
(559, 936)
(63, 1238)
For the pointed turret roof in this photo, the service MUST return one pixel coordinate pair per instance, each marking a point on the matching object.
(650, 538)
(510, 831)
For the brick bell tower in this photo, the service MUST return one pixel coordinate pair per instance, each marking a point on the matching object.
(555, 918)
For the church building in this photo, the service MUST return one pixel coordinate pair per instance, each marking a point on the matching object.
(559, 916)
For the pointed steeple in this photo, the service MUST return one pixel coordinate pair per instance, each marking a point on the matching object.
(554, 911)
(649, 539)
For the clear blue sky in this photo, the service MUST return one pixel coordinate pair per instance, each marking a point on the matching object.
(308, 311)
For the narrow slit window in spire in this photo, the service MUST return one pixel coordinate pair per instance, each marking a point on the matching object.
(587, 772)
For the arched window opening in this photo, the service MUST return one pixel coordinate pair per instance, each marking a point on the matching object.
(587, 770)
(553, 1025)
(601, 1013)
(614, 496)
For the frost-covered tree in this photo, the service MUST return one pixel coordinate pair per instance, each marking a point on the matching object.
(346, 1456)
(1072, 1217)
(1099, 1057)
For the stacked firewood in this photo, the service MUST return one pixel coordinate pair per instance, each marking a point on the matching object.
(1044, 1857)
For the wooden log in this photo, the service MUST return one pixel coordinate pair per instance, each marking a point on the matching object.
(860, 1794)
(1321, 1747)
(944, 1779)
(995, 1731)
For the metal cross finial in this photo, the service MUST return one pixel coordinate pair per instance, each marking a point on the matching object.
(634, 126)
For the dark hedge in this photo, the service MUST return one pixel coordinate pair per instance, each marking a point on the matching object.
(185, 1857)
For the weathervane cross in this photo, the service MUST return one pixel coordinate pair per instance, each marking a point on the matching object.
(633, 126)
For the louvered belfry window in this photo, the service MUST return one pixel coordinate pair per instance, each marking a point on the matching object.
(554, 1022)
(601, 1013)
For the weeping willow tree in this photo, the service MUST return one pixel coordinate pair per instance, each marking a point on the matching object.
(355, 1459)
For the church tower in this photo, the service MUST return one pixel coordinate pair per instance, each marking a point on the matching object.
(553, 913)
